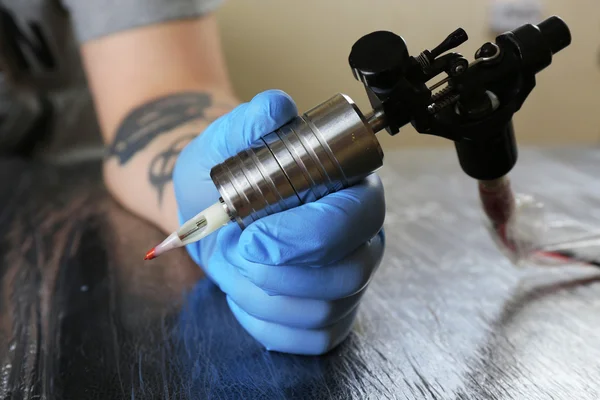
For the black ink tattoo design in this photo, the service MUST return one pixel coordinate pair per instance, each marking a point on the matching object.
(156, 118)
(153, 119)
(162, 165)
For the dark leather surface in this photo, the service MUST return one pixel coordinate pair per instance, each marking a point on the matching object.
(446, 317)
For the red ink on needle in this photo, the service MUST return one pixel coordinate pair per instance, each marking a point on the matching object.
(150, 254)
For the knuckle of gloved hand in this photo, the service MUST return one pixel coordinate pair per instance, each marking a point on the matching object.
(358, 277)
(262, 244)
(363, 277)
(257, 274)
(329, 313)
(264, 277)
(274, 103)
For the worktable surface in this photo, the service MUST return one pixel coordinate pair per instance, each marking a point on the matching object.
(446, 316)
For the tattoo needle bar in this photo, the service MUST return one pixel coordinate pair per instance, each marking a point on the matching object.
(333, 145)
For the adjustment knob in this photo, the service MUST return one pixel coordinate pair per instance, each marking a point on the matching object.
(536, 44)
(379, 59)
(556, 33)
(453, 40)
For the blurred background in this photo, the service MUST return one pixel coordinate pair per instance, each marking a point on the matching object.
(302, 48)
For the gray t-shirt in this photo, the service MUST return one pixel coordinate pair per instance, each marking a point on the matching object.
(43, 91)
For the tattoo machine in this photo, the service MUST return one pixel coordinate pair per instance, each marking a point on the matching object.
(333, 145)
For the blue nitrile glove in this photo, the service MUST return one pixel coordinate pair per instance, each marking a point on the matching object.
(294, 279)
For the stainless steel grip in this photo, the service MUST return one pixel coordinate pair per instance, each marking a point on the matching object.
(329, 148)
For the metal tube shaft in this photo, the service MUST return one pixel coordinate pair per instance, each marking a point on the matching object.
(328, 148)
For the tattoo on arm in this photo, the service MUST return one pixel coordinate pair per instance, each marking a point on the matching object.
(156, 118)
(160, 117)
(160, 172)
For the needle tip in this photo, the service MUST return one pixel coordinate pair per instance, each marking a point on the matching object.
(150, 254)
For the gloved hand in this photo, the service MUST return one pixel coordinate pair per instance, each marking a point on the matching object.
(293, 279)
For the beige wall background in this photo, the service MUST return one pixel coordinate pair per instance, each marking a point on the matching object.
(302, 48)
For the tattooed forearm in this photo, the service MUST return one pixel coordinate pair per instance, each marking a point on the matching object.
(178, 114)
